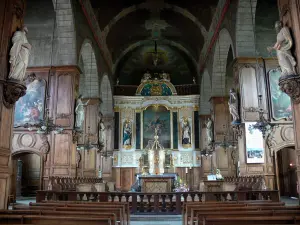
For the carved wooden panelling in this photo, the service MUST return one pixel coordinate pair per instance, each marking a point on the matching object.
(6, 124)
(222, 159)
(64, 99)
(3, 185)
(126, 178)
(62, 151)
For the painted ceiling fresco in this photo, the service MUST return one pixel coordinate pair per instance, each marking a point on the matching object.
(170, 60)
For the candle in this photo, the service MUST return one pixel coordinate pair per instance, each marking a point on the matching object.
(186, 170)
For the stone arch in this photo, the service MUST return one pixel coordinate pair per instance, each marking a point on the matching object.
(245, 28)
(106, 106)
(89, 81)
(222, 47)
(205, 93)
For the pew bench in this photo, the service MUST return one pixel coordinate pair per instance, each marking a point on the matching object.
(111, 216)
(251, 220)
(86, 210)
(123, 205)
(52, 220)
(250, 214)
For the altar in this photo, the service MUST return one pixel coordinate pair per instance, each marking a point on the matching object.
(158, 133)
(156, 183)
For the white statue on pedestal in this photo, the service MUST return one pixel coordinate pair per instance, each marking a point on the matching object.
(79, 110)
(233, 104)
(209, 131)
(101, 130)
(283, 48)
(19, 55)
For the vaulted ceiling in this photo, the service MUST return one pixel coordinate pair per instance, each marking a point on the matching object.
(131, 28)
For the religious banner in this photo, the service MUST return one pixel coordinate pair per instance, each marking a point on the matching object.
(281, 107)
(157, 117)
(254, 145)
(29, 109)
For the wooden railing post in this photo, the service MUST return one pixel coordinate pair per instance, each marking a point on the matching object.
(134, 203)
(178, 203)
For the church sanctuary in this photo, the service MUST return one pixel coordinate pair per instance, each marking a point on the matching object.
(149, 112)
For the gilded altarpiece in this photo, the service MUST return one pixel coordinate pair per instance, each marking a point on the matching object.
(156, 118)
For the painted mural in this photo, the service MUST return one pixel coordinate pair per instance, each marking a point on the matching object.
(30, 108)
(280, 102)
(157, 117)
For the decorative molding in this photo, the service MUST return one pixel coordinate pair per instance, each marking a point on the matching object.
(19, 7)
(12, 91)
(290, 85)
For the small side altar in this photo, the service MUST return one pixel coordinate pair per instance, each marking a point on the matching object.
(213, 185)
(156, 183)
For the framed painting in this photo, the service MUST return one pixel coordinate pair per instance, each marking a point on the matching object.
(29, 109)
(157, 117)
(254, 145)
(281, 106)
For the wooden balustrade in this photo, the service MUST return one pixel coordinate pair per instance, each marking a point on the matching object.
(69, 183)
(164, 203)
(247, 182)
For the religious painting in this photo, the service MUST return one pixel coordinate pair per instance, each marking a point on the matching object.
(254, 145)
(127, 134)
(157, 118)
(186, 133)
(280, 101)
(29, 109)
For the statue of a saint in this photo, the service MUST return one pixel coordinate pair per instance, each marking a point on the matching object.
(19, 55)
(165, 76)
(283, 48)
(79, 111)
(186, 132)
(233, 104)
(127, 134)
(194, 80)
(209, 131)
(146, 77)
(101, 129)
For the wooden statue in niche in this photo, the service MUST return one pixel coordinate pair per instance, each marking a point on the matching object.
(283, 49)
(19, 55)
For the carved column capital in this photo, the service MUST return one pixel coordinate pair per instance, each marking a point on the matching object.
(12, 91)
(290, 85)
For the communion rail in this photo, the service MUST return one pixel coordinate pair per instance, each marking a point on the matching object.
(165, 203)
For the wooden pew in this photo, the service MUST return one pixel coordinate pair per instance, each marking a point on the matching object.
(117, 211)
(111, 216)
(193, 208)
(250, 214)
(52, 220)
(123, 205)
(251, 220)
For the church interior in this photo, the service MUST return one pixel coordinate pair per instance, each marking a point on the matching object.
(149, 112)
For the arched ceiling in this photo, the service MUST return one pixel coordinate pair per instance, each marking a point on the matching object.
(179, 27)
